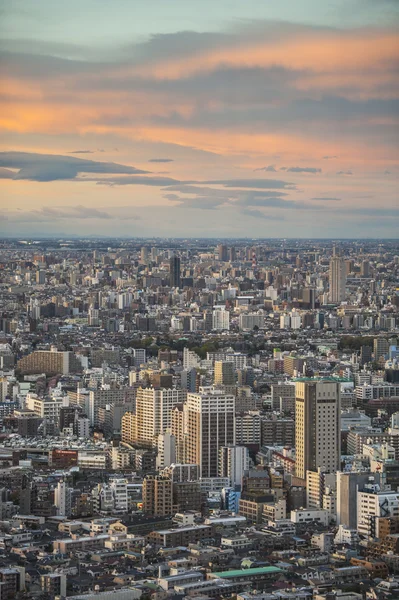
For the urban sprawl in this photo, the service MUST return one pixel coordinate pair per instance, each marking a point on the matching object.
(199, 419)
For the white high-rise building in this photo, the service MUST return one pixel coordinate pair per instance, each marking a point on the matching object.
(337, 279)
(220, 318)
(154, 411)
(166, 450)
(233, 462)
(191, 360)
(62, 499)
(317, 426)
(250, 320)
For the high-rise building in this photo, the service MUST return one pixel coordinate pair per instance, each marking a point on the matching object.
(144, 254)
(157, 495)
(381, 348)
(129, 428)
(233, 462)
(210, 425)
(222, 253)
(154, 411)
(174, 268)
(189, 379)
(220, 318)
(317, 426)
(101, 398)
(337, 278)
(224, 373)
(166, 444)
(62, 499)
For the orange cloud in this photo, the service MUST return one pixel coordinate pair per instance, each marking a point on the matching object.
(326, 52)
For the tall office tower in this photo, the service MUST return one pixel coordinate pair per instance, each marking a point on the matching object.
(222, 252)
(174, 269)
(365, 355)
(144, 255)
(232, 254)
(317, 426)
(40, 277)
(221, 318)
(210, 425)
(157, 496)
(233, 462)
(154, 411)
(224, 373)
(365, 269)
(309, 297)
(381, 348)
(337, 278)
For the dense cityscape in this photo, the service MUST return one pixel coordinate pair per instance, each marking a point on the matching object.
(205, 418)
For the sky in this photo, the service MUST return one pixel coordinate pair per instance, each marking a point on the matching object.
(199, 118)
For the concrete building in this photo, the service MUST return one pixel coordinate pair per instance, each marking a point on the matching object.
(224, 373)
(337, 279)
(49, 362)
(157, 495)
(210, 425)
(233, 462)
(154, 411)
(317, 426)
(107, 396)
(166, 444)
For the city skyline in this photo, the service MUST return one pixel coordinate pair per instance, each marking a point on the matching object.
(252, 121)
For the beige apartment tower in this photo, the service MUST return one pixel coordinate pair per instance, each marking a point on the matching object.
(154, 409)
(317, 426)
(210, 422)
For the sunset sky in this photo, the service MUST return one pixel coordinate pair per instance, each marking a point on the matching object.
(200, 118)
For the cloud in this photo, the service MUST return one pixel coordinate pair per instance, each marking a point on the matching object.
(160, 160)
(386, 172)
(327, 198)
(253, 183)
(301, 169)
(6, 173)
(258, 214)
(329, 157)
(344, 173)
(139, 180)
(82, 152)
(53, 167)
(270, 168)
(48, 214)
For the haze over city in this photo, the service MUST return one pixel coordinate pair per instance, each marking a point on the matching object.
(204, 119)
